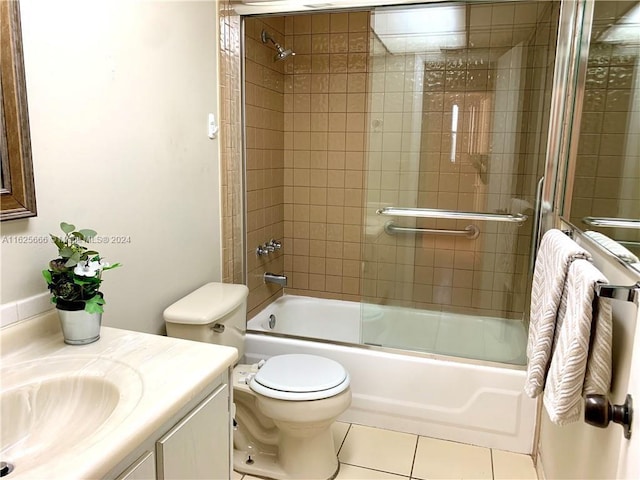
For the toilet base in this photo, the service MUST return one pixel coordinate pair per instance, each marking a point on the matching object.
(266, 465)
(287, 440)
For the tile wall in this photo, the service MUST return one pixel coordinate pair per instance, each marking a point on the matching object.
(540, 63)
(305, 119)
(324, 152)
(231, 185)
(498, 82)
(264, 123)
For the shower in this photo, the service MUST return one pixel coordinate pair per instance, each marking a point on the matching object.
(399, 168)
(282, 53)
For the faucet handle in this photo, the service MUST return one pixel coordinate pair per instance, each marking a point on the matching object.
(275, 244)
(269, 247)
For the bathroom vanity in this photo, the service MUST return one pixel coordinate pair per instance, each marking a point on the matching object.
(129, 406)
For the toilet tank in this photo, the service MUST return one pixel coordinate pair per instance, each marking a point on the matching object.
(214, 313)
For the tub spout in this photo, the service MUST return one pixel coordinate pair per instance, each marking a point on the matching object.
(277, 279)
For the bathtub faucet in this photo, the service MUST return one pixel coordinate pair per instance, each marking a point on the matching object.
(277, 279)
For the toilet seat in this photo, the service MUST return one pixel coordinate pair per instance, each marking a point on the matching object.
(299, 377)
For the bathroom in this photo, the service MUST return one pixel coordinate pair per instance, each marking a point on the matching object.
(129, 88)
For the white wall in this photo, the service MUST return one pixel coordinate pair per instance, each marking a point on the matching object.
(628, 464)
(579, 450)
(118, 95)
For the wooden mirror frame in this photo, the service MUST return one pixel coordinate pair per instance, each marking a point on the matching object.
(18, 196)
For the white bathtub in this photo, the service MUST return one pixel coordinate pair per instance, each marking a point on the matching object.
(421, 393)
(443, 333)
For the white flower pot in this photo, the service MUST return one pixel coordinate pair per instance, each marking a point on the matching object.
(80, 327)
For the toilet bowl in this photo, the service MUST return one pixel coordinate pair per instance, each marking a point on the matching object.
(285, 405)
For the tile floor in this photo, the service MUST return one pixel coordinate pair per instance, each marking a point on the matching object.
(367, 453)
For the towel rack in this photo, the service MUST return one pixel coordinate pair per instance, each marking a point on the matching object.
(628, 243)
(518, 218)
(620, 292)
(470, 231)
(612, 222)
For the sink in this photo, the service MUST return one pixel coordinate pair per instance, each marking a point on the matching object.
(50, 407)
(39, 410)
(82, 411)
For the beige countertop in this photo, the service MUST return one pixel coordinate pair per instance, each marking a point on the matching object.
(77, 411)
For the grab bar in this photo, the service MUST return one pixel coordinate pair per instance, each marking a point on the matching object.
(620, 292)
(612, 222)
(518, 218)
(470, 231)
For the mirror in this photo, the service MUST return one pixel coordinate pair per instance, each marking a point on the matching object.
(602, 197)
(18, 199)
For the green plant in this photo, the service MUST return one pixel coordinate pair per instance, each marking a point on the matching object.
(75, 276)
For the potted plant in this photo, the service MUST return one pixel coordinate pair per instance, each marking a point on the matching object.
(74, 280)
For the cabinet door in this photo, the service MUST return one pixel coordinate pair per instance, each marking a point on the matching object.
(142, 469)
(198, 446)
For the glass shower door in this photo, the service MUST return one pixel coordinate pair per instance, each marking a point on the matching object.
(459, 99)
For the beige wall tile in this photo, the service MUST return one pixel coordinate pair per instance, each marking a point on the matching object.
(339, 22)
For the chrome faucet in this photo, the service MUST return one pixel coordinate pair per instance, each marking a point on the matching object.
(277, 279)
(269, 247)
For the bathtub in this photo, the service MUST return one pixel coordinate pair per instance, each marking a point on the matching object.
(431, 394)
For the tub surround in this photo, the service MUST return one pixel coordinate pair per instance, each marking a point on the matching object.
(137, 382)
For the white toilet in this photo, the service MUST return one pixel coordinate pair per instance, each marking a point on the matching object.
(285, 406)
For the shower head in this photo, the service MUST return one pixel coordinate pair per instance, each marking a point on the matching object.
(281, 52)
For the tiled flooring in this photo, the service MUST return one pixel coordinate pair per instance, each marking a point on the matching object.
(367, 453)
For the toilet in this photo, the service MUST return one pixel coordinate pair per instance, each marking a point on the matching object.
(285, 405)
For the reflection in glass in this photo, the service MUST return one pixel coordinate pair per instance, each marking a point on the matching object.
(607, 157)
(458, 118)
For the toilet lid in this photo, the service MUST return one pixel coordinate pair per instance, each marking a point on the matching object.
(300, 377)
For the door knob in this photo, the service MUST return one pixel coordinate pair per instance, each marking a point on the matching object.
(599, 412)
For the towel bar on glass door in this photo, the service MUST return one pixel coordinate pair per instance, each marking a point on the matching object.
(620, 292)
(612, 222)
(470, 231)
(627, 243)
(518, 218)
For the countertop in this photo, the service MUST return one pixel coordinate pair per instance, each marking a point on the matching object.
(155, 377)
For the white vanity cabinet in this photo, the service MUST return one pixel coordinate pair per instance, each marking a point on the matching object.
(142, 469)
(198, 446)
(194, 444)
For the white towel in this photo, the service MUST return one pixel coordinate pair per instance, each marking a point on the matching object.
(581, 361)
(613, 246)
(556, 253)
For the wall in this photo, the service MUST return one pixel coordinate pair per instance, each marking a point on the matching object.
(264, 143)
(118, 96)
(305, 123)
(606, 132)
(628, 465)
(231, 167)
(325, 104)
(579, 450)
